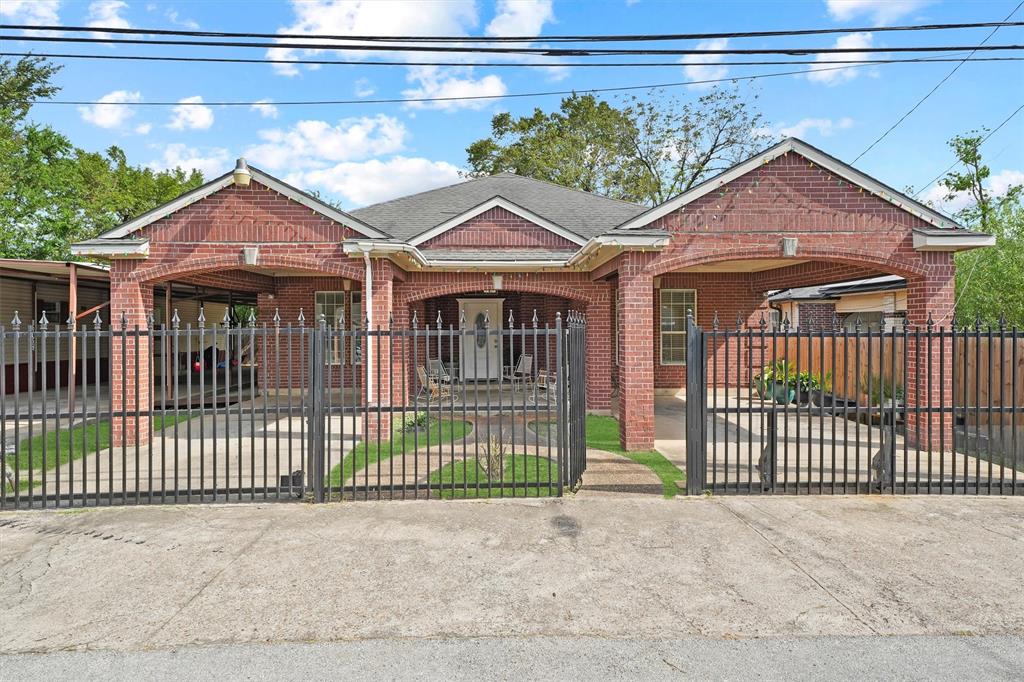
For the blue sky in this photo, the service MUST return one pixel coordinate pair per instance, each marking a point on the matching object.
(363, 153)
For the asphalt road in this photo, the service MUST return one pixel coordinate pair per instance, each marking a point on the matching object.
(549, 658)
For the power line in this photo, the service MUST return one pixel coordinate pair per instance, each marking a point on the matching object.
(511, 39)
(957, 162)
(411, 100)
(334, 62)
(542, 51)
(937, 86)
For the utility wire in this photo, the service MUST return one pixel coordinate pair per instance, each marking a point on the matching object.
(937, 86)
(957, 163)
(543, 51)
(510, 39)
(547, 65)
(411, 100)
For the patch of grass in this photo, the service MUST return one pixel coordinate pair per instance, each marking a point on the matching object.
(603, 434)
(64, 445)
(432, 432)
(468, 479)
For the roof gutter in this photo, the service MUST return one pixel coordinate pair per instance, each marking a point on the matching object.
(953, 240)
(624, 242)
(108, 248)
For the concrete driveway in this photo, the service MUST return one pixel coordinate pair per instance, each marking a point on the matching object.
(613, 567)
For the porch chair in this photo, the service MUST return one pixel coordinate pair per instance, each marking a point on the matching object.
(521, 373)
(436, 369)
(545, 387)
(432, 388)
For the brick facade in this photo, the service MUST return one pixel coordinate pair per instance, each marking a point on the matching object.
(842, 232)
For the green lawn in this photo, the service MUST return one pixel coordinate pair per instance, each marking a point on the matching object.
(436, 432)
(603, 434)
(516, 469)
(66, 444)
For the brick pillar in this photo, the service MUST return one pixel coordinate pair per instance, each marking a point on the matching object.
(930, 295)
(129, 301)
(379, 397)
(636, 360)
(600, 346)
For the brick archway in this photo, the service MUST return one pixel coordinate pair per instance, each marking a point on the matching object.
(856, 261)
(519, 286)
(167, 271)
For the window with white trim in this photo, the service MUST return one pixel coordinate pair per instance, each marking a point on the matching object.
(332, 304)
(676, 304)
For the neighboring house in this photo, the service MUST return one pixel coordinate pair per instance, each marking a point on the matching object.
(31, 288)
(875, 303)
(790, 216)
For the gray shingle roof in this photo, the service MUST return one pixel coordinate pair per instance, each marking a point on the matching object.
(588, 215)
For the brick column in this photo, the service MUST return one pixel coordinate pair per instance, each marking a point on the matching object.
(933, 296)
(600, 346)
(379, 397)
(636, 359)
(129, 301)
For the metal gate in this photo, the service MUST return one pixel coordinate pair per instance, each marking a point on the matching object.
(904, 409)
(284, 411)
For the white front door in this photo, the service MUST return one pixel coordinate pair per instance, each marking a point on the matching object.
(481, 351)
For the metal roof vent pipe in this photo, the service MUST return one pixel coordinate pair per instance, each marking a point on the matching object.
(241, 174)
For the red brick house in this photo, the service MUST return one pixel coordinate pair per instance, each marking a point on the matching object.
(790, 216)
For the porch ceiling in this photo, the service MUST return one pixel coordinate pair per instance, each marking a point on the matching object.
(749, 265)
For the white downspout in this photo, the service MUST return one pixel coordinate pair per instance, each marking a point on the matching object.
(368, 314)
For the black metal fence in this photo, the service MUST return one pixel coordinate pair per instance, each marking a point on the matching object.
(932, 409)
(140, 414)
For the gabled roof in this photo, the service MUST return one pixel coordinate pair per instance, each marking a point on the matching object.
(227, 180)
(811, 153)
(504, 203)
(581, 213)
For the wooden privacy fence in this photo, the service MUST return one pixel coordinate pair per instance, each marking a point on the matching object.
(988, 370)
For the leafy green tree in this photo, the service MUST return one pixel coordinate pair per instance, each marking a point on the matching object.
(644, 150)
(53, 193)
(989, 282)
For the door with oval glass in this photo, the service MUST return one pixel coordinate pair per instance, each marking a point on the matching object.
(481, 352)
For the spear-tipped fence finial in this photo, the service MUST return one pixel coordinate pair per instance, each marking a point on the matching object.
(202, 317)
(97, 321)
(277, 317)
(302, 318)
(487, 319)
(511, 320)
(151, 319)
(16, 322)
(761, 323)
(124, 319)
(1002, 322)
(226, 320)
(415, 320)
(739, 322)
(438, 319)
(535, 320)
(252, 317)
(175, 320)
(44, 323)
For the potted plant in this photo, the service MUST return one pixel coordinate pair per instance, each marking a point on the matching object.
(822, 395)
(774, 383)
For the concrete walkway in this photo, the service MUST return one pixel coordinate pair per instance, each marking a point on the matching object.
(158, 577)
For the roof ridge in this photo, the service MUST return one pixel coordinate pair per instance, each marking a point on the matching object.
(421, 193)
(570, 189)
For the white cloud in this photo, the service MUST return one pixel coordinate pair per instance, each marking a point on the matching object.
(364, 88)
(694, 72)
(33, 12)
(107, 14)
(520, 17)
(107, 113)
(835, 75)
(997, 185)
(825, 127)
(211, 162)
(358, 17)
(456, 82)
(191, 115)
(266, 108)
(143, 128)
(880, 12)
(313, 144)
(373, 181)
(175, 18)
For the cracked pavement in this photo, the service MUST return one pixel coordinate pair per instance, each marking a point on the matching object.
(145, 578)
